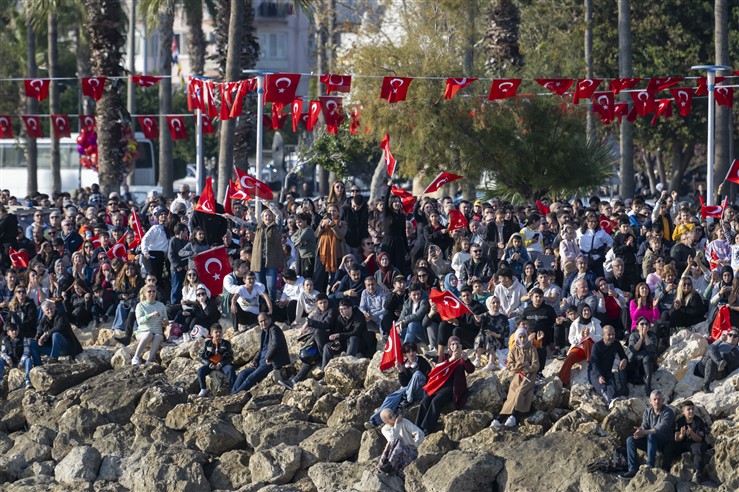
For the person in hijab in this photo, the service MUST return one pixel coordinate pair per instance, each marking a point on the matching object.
(450, 283)
(523, 362)
(385, 273)
(585, 331)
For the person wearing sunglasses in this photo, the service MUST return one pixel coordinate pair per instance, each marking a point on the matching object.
(151, 318)
(720, 360)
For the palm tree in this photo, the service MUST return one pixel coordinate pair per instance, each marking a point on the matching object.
(245, 134)
(625, 69)
(196, 38)
(31, 103)
(723, 114)
(106, 26)
(501, 38)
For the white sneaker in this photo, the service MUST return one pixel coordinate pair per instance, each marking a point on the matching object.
(135, 361)
(511, 422)
(495, 424)
(203, 392)
(490, 366)
(476, 362)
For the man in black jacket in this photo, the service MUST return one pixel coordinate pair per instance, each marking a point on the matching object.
(499, 232)
(600, 372)
(478, 267)
(54, 335)
(216, 355)
(393, 305)
(356, 216)
(349, 334)
(272, 355)
(177, 264)
(720, 360)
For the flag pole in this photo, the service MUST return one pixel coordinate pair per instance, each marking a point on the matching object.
(260, 129)
(199, 169)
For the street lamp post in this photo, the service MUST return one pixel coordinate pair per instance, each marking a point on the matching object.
(260, 74)
(710, 83)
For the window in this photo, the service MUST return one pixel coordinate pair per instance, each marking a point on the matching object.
(273, 45)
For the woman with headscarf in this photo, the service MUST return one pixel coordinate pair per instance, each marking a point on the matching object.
(445, 386)
(585, 331)
(395, 240)
(450, 284)
(523, 362)
(385, 273)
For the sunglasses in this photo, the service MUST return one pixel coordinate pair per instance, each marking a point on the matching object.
(200, 294)
(151, 292)
(732, 335)
(192, 274)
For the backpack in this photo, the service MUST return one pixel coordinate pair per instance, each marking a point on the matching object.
(617, 462)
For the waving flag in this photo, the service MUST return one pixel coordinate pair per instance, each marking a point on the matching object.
(149, 126)
(390, 163)
(503, 89)
(557, 86)
(733, 174)
(618, 85)
(19, 259)
(713, 211)
(138, 231)
(93, 87)
(118, 250)
(448, 305)
(281, 87)
(338, 83)
(440, 180)
(252, 186)
(37, 88)
(177, 128)
(585, 89)
(6, 126)
(454, 85)
(395, 89)
(440, 374)
(683, 100)
(457, 220)
(393, 350)
(207, 201)
(145, 80)
(212, 267)
(406, 198)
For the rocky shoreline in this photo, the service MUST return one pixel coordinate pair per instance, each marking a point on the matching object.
(100, 424)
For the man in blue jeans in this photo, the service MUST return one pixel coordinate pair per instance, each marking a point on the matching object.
(272, 355)
(412, 373)
(54, 335)
(656, 432)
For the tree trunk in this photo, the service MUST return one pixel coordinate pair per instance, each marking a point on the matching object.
(31, 108)
(590, 125)
(232, 73)
(649, 167)
(325, 18)
(681, 156)
(245, 133)
(53, 60)
(196, 38)
(723, 116)
(166, 165)
(660, 168)
(625, 69)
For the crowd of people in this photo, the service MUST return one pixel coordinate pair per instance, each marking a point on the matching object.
(602, 283)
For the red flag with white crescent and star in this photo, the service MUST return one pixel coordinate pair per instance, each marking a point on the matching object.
(88, 121)
(338, 83)
(60, 125)
(683, 99)
(604, 106)
(252, 186)
(557, 86)
(296, 110)
(406, 198)
(733, 174)
(6, 126)
(93, 87)
(454, 85)
(212, 267)
(18, 259)
(395, 89)
(208, 128)
(713, 211)
(618, 85)
(177, 128)
(354, 117)
(702, 89)
(448, 305)
(664, 108)
(393, 350)
(724, 96)
(281, 87)
(145, 80)
(149, 126)
(585, 89)
(440, 180)
(118, 250)
(644, 102)
(390, 163)
(657, 84)
(333, 113)
(37, 88)
(457, 220)
(33, 126)
(503, 89)
(440, 374)
(207, 201)
(138, 231)
(314, 109)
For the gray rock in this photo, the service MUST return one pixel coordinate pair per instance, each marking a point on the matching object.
(459, 470)
(374, 373)
(39, 468)
(373, 480)
(486, 392)
(182, 372)
(465, 423)
(331, 444)
(549, 394)
(110, 469)
(81, 464)
(357, 409)
(245, 346)
(324, 407)
(230, 471)
(346, 373)
(55, 378)
(160, 399)
(275, 465)
(625, 415)
(39, 408)
(158, 468)
(304, 396)
(32, 446)
(76, 427)
(330, 477)
(652, 480)
(371, 445)
(277, 424)
(214, 434)
(436, 443)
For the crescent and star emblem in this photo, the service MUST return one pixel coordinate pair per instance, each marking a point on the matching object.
(176, 125)
(213, 260)
(277, 83)
(4, 122)
(37, 84)
(60, 123)
(643, 93)
(244, 180)
(396, 87)
(88, 121)
(331, 105)
(449, 300)
(603, 101)
(314, 108)
(504, 86)
(331, 80)
(115, 250)
(389, 344)
(208, 208)
(94, 81)
(147, 122)
(459, 81)
(32, 123)
(586, 83)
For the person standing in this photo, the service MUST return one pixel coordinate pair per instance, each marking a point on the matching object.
(155, 244)
(267, 253)
(523, 362)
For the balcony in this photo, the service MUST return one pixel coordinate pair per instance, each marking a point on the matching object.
(274, 10)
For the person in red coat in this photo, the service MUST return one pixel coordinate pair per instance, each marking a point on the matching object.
(447, 383)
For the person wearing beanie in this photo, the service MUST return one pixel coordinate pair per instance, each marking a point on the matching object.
(523, 362)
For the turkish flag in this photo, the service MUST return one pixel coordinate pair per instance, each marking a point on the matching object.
(440, 374)
(543, 209)
(295, 110)
(177, 128)
(118, 250)
(733, 174)
(457, 220)
(37, 88)
(657, 84)
(95, 240)
(607, 224)
(333, 113)
(604, 106)
(314, 109)
(237, 192)
(33, 126)
(503, 88)
(393, 350)
(208, 128)
(724, 96)
(93, 87)
(354, 124)
(664, 108)
(440, 180)
(278, 119)
(149, 126)
(619, 110)
(683, 99)
(145, 80)
(643, 102)
(390, 162)
(448, 305)
(6, 126)
(232, 94)
(18, 259)
(194, 94)
(338, 83)
(395, 89)
(713, 211)
(88, 121)
(453, 86)
(585, 89)
(281, 87)
(304, 117)
(406, 198)
(60, 124)
(252, 186)
(138, 231)
(618, 85)
(207, 201)
(557, 86)
(702, 88)
(212, 267)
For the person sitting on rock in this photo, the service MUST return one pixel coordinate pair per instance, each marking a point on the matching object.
(54, 335)
(15, 351)
(720, 360)
(690, 435)
(216, 355)
(320, 323)
(642, 354)
(349, 334)
(412, 374)
(151, 316)
(403, 439)
(585, 331)
(523, 362)
(655, 433)
(600, 372)
(410, 321)
(272, 355)
(445, 386)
